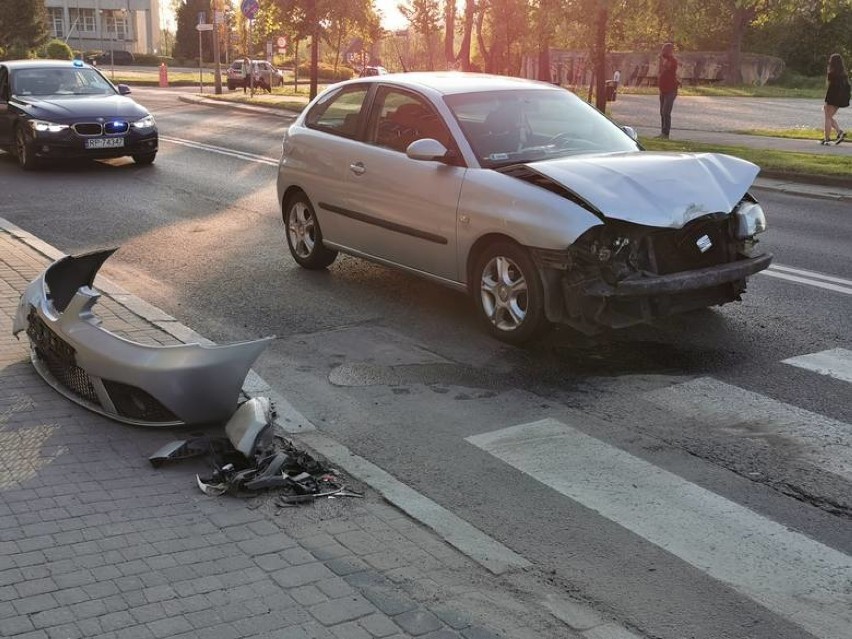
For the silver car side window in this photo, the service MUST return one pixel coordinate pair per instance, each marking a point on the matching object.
(340, 114)
(401, 118)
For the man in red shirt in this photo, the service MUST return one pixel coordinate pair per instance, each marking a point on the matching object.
(668, 83)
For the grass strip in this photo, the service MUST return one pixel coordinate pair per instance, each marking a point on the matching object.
(769, 160)
(801, 133)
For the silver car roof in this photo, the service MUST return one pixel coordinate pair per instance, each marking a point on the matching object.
(450, 82)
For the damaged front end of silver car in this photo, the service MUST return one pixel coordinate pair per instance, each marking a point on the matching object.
(620, 274)
(163, 385)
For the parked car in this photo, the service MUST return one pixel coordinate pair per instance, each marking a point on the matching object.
(236, 75)
(64, 109)
(368, 71)
(111, 57)
(519, 193)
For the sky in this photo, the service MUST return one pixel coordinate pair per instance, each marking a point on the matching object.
(392, 18)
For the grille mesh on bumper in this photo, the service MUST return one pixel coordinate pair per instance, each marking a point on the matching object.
(60, 360)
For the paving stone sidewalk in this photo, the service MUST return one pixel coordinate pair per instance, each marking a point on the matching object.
(96, 543)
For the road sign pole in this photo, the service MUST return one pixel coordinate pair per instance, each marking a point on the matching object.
(217, 75)
(251, 56)
(200, 78)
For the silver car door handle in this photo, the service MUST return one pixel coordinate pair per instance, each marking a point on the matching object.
(358, 168)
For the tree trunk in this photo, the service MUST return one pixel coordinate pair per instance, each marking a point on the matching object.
(450, 33)
(600, 61)
(485, 51)
(464, 49)
(742, 19)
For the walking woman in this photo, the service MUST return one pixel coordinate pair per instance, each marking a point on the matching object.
(836, 98)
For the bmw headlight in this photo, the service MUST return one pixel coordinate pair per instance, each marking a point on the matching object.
(145, 123)
(750, 220)
(42, 126)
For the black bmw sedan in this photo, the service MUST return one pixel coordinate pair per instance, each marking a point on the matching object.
(64, 109)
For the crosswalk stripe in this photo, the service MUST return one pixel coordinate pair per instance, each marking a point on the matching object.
(785, 571)
(836, 363)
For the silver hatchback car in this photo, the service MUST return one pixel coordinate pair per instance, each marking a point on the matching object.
(519, 193)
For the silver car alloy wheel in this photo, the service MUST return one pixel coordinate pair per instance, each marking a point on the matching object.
(301, 230)
(505, 298)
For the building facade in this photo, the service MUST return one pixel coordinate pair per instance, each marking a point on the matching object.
(119, 25)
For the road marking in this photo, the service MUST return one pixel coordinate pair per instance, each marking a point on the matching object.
(824, 442)
(836, 363)
(240, 155)
(811, 274)
(785, 571)
(812, 278)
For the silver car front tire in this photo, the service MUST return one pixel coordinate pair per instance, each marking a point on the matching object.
(304, 237)
(508, 293)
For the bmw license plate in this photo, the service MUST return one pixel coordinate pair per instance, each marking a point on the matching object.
(104, 143)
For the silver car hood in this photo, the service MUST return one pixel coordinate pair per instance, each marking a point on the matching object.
(664, 190)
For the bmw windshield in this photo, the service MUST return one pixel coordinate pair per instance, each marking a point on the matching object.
(510, 127)
(64, 81)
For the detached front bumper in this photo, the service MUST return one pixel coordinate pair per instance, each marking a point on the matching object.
(135, 383)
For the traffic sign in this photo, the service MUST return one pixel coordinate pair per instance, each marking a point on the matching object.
(282, 41)
(249, 8)
(204, 27)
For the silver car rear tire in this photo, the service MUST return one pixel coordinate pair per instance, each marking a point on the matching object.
(508, 293)
(304, 237)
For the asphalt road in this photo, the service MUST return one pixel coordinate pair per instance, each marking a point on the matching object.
(748, 457)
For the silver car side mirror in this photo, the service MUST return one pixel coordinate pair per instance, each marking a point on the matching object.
(629, 130)
(426, 149)
(123, 89)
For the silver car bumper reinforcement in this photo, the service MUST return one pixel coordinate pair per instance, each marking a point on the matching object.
(710, 276)
(171, 385)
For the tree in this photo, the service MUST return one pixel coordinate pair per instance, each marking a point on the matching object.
(23, 27)
(424, 18)
(186, 36)
(58, 50)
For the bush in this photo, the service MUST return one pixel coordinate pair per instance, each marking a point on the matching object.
(326, 73)
(792, 80)
(151, 60)
(58, 50)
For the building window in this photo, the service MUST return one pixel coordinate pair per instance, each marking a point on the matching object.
(116, 23)
(56, 21)
(83, 20)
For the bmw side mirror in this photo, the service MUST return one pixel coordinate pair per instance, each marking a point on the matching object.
(123, 89)
(426, 149)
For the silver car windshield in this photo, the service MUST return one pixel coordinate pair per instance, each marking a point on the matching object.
(509, 127)
(60, 81)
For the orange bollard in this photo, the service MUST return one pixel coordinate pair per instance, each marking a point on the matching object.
(164, 75)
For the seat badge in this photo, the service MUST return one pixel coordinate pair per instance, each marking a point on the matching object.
(704, 243)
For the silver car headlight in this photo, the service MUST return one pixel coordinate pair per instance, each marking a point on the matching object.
(145, 123)
(43, 126)
(750, 220)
